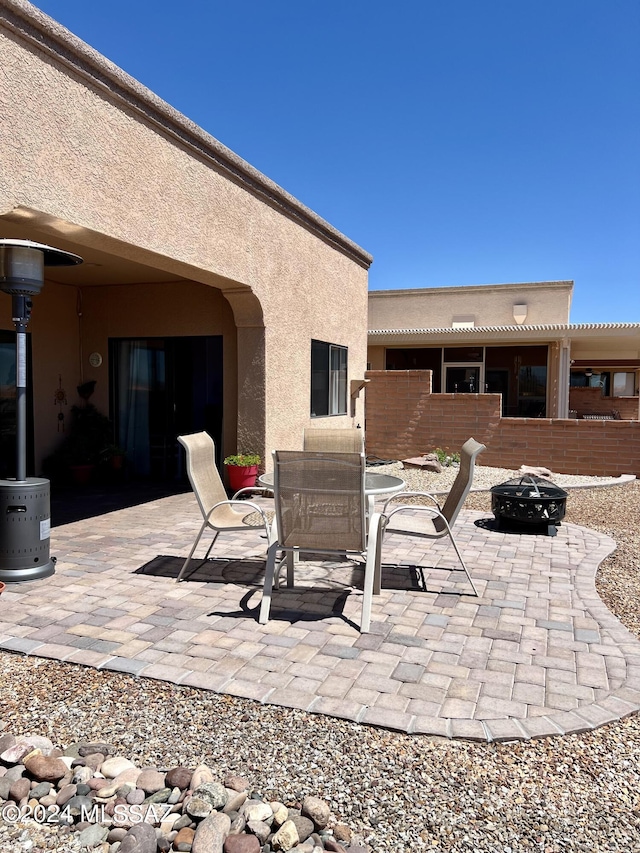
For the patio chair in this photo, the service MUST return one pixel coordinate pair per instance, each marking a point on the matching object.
(320, 508)
(339, 440)
(218, 512)
(434, 522)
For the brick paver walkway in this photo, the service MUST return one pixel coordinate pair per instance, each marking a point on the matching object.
(537, 654)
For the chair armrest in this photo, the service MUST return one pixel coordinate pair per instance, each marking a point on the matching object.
(431, 510)
(403, 495)
(244, 505)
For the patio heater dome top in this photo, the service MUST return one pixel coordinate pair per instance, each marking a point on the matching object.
(22, 264)
(52, 257)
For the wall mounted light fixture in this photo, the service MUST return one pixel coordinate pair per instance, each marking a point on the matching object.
(520, 312)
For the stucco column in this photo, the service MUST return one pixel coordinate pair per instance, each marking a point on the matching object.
(564, 378)
(247, 312)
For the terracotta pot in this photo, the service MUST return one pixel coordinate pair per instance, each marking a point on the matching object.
(82, 474)
(241, 476)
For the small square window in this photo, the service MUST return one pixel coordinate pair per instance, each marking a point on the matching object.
(328, 379)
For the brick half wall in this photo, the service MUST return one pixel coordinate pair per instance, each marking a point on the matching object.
(404, 419)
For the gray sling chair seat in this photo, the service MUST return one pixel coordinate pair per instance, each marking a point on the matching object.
(432, 522)
(320, 508)
(346, 440)
(218, 512)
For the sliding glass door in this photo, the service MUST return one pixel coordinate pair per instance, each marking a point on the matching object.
(162, 388)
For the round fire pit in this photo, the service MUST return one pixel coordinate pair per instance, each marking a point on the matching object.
(529, 501)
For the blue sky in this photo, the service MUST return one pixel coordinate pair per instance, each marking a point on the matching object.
(458, 141)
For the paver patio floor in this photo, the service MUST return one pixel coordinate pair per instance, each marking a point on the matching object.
(536, 654)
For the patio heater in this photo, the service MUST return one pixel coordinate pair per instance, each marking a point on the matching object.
(25, 515)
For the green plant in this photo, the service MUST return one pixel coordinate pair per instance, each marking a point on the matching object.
(243, 460)
(446, 458)
(112, 450)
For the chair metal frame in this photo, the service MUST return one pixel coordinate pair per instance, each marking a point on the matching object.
(219, 512)
(303, 491)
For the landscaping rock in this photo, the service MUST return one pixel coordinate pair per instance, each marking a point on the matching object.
(211, 834)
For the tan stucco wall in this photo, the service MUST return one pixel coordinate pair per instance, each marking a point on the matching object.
(91, 160)
(485, 305)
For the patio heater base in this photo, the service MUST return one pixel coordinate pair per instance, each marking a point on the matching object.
(25, 524)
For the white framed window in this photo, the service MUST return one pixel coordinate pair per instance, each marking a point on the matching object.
(328, 379)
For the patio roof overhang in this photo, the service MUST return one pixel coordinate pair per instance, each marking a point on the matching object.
(514, 334)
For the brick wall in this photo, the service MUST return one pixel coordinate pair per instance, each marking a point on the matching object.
(590, 401)
(403, 419)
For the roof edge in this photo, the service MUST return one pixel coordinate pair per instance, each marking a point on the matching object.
(464, 288)
(34, 26)
(548, 327)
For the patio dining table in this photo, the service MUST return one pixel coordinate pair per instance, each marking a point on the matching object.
(374, 484)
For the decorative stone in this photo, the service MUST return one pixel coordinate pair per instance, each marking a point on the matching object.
(179, 777)
(46, 769)
(93, 835)
(159, 796)
(135, 797)
(6, 742)
(127, 777)
(87, 749)
(286, 837)
(257, 810)
(65, 794)
(174, 796)
(76, 806)
(82, 774)
(184, 839)
(197, 807)
(212, 792)
(235, 800)
(114, 767)
(261, 830)
(94, 761)
(14, 773)
(211, 834)
(280, 812)
(151, 780)
(336, 847)
(341, 832)
(238, 824)
(19, 789)
(23, 746)
(303, 825)
(141, 838)
(41, 790)
(316, 810)
(116, 834)
(201, 774)
(242, 844)
(236, 783)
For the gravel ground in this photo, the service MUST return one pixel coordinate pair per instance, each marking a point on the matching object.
(399, 792)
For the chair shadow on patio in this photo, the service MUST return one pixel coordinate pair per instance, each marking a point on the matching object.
(321, 592)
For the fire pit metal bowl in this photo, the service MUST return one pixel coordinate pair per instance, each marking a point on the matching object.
(529, 502)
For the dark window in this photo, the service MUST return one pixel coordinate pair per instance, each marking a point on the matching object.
(328, 379)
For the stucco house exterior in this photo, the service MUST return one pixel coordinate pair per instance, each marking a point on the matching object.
(208, 297)
(511, 339)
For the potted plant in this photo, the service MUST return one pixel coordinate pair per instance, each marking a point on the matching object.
(114, 454)
(242, 470)
(89, 434)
